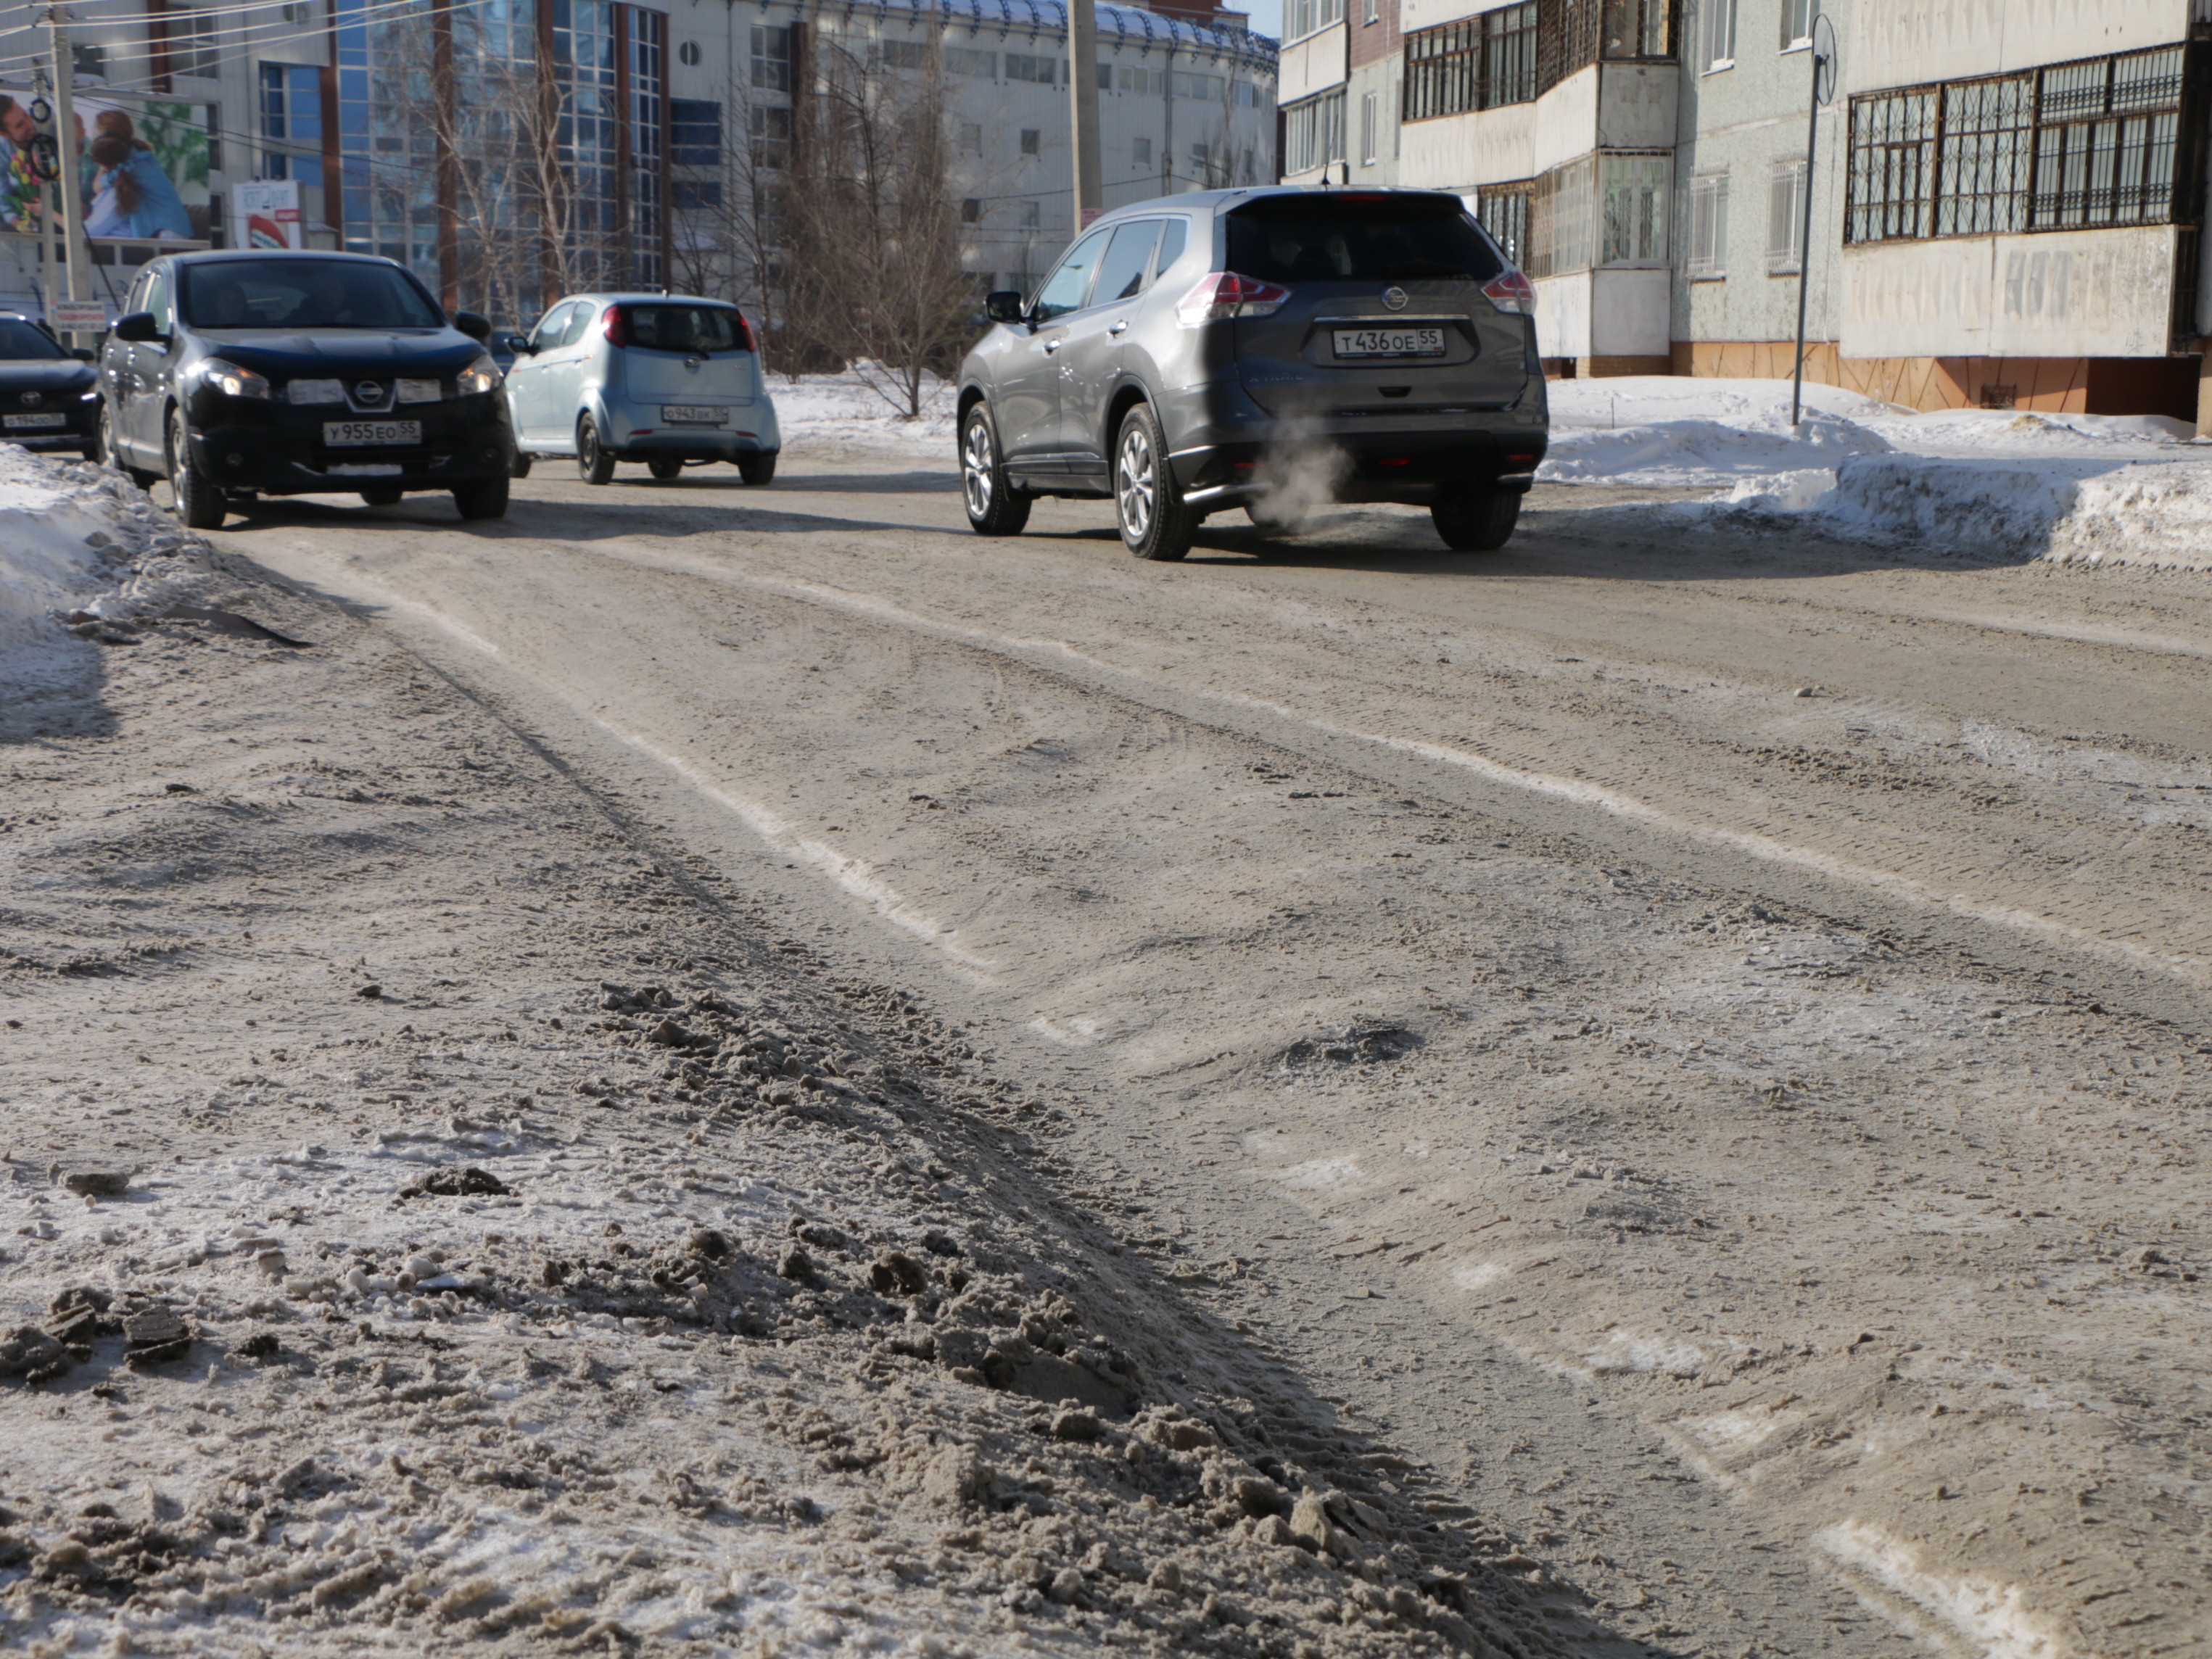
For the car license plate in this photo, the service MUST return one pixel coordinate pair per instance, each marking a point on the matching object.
(692, 415)
(34, 422)
(1389, 343)
(361, 433)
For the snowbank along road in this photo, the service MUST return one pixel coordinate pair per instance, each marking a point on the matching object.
(1697, 1038)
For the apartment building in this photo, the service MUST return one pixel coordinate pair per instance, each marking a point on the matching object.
(2024, 202)
(406, 123)
(2007, 195)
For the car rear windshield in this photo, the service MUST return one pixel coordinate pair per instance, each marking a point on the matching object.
(20, 340)
(302, 293)
(683, 328)
(1347, 238)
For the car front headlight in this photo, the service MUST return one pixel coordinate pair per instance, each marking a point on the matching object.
(231, 380)
(482, 375)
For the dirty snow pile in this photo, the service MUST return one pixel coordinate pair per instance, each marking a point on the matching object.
(80, 547)
(2134, 489)
(859, 409)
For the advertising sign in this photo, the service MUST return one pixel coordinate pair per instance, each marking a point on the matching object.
(265, 213)
(76, 316)
(141, 164)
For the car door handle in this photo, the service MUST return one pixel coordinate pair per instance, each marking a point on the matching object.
(1121, 326)
(1051, 346)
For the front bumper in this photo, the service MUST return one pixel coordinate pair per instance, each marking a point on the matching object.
(275, 449)
(77, 432)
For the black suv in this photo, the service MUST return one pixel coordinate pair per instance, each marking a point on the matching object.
(1270, 349)
(279, 373)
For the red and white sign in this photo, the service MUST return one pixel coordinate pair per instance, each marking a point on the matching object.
(265, 213)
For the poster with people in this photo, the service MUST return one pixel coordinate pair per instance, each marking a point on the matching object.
(142, 168)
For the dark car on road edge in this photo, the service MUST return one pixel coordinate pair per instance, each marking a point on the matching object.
(49, 395)
(1268, 348)
(257, 373)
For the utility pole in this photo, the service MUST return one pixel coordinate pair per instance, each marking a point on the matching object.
(50, 199)
(79, 253)
(1823, 66)
(1083, 110)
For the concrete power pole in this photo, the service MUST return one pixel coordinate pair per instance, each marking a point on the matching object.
(1083, 109)
(79, 253)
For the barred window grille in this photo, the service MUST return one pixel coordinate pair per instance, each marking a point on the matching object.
(1508, 54)
(1561, 228)
(1709, 226)
(2074, 146)
(1984, 161)
(1637, 29)
(1893, 166)
(1441, 67)
(1633, 194)
(1785, 218)
(1504, 211)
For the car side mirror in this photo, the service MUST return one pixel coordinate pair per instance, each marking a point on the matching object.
(85, 354)
(139, 328)
(521, 345)
(1005, 306)
(478, 328)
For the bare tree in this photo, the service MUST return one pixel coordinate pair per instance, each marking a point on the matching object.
(870, 224)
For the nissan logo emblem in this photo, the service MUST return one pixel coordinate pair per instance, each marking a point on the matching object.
(369, 391)
(1395, 298)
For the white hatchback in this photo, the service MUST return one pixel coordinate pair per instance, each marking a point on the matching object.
(657, 378)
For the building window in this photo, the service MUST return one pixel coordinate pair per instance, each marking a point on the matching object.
(1302, 17)
(688, 54)
(1027, 66)
(771, 133)
(1504, 211)
(1709, 205)
(2072, 146)
(965, 60)
(771, 58)
(1560, 219)
(1785, 217)
(1151, 81)
(292, 122)
(1032, 217)
(1032, 141)
(1313, 133)
(971, 137)
(1796, 24)
(1371, 11)
(694, 195)
(1140, 152)
(1633, 192)
(1440, 72)
(1367, 129)
(971, 212)
(1720, 34)
(1982, 163)
(1508, 54)
(695, 132)
(2104, 142)
(194, 47)
(1637, 29)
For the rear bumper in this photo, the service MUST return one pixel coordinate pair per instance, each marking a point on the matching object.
(640, 432)
(1225, 448)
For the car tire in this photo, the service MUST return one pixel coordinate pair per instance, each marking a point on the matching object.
(383, 494)
(485, 499)
(1476, 520)
(757, 470)
(995, 508)
(665, 467)
(1155, 523)
(594, 466)
(520, 466)
(200, 501)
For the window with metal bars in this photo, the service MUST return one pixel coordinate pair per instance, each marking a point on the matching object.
(1479, 63)
(1508, 54)
(2070, 147)
(1504, 211)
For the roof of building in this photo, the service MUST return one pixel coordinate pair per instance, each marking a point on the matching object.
(1124, 26)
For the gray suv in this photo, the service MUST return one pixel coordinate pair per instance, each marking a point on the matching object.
(1272, 349)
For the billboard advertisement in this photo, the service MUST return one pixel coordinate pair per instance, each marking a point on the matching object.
(142, 167)
(265, 213)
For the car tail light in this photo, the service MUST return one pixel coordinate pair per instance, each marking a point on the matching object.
(1511, 292)
(1224, 294)
(747, 340)
(617, 326)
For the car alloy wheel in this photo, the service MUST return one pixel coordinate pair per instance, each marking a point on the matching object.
(1136, 490)
(994, 507)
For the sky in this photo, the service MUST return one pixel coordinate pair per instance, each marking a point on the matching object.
(1267, 16)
